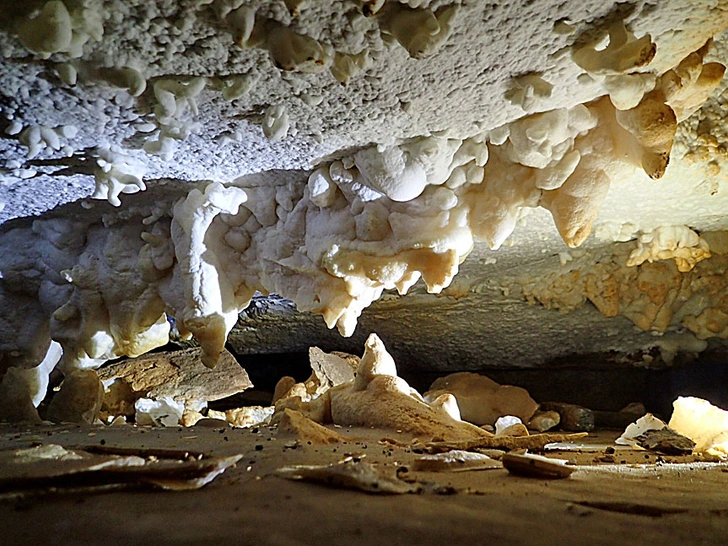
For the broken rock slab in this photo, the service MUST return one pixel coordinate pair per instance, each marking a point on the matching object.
(327, 370)
(179, 375)
(695, 425)
(332, 368)
(481, 400)
(52, 466)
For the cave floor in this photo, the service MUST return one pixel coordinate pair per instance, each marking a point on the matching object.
(640, 498)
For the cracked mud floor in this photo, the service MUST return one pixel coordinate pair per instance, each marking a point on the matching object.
(639, 498)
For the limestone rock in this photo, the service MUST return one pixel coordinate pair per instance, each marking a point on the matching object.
(381, 405)
(544, 420)
(481, 400)
(119, 399)
(283, 387)
(249, 416)
(79, 400)
(376, 361)
(305, 391)
(378, 398)
(191, 417)
(573, 418)
(328, 370)
(642, 425)
(515, 430)
(317, 409)
(504, 422)
(19, 383)
(179, 375)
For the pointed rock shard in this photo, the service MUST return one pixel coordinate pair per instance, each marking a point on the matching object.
(331, 367)
(294, 424)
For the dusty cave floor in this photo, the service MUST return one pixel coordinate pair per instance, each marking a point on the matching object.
(638, 499)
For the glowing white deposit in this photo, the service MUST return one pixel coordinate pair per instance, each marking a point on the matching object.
(702, 422)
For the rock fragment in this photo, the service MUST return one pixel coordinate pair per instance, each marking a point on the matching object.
(378, 398)
(573, 418)
(119, 399)
(79, 400)
(283, 387)
(481, 400)
(544, 420)
(179, 375)
(454, 461)
(537, 466)
(642, 425)
(164, 412)
(518, 429)
(666, 441)
(249, 416)
(328, 370)
(332, 368)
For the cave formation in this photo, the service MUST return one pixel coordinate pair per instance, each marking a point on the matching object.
(534, 191)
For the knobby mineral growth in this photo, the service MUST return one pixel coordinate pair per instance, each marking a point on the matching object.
(104, 282)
